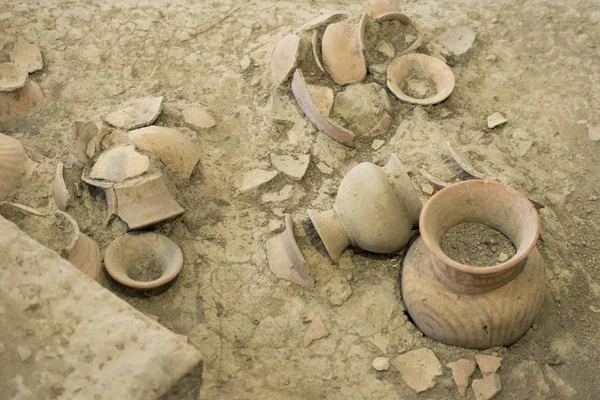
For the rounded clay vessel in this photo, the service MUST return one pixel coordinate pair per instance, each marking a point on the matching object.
(375, 209)
(466, 306)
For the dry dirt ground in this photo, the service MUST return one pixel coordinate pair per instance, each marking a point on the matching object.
(535, 61)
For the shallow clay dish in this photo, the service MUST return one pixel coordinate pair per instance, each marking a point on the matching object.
(139, 249)
(428, 66)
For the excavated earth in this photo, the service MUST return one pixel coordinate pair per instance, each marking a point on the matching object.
(534, 61)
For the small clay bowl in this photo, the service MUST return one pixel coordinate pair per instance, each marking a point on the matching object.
(135, 249)
(428, 66)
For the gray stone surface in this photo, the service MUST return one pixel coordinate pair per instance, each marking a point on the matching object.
(85, 342)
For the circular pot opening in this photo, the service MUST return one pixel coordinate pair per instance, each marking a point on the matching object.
(484, 202)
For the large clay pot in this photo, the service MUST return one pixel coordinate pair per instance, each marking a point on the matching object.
(375, 209)
(471, 307)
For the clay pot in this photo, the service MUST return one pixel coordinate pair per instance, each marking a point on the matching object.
(342, 51)
(12, 164)
(428, 66)
(145, 249)
(375, 209)
(464, 306)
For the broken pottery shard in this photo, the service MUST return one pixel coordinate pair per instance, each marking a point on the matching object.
(322, 96)
(24, 353)
(324, 168)
(145, 202)
(198, 117)
(306, 104)
(465, 165)
(11, 77)
(496, 119)
(293, 166)
(385, 48)
(457, 40)
(284, 194)
(255, 178)
(285, 259)
(120, 163)
(83, 132)
(594, 133)
(321, 20)
(488, 364)
(315, 50)
(377, 8)
(176, 150)
(342, 52)
(380, 341)
(19, 101)
(60, 193)
(486, 388)
(27, 56)
(427, 188)
(419, 368)
(377, 143)
(381, 364)
(95, 144)
(284, 58)
(111, 204)
(12, 164)
(564, 388)
(245, 63)
(316, 330)
(461, 372)
(436, 182)
(85, 256)
(142, 112)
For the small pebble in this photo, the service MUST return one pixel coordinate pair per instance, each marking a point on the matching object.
(24, 353)
(595, 309)
(496, 119)
(381, 363)
(245, 63)
(502, 257)
(377, 143)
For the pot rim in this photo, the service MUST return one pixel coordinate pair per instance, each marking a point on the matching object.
(488, 270)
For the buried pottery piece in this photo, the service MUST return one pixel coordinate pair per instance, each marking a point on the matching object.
(85, 255)
(27, 56)
(11, 77)
(12, 164)
(60, 192)
(342, 51)
(466, 306)
(143, 260)
(375, 209)
(142, 112)
(398, 16)
(120, 163)
(20, 101)
(420, 79)
(285, 259)
(468, 171)
(316, 330)
(284, 58)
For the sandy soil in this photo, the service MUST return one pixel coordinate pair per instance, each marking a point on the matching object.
(534, 61)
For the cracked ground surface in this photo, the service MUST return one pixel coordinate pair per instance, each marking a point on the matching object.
(248, 325)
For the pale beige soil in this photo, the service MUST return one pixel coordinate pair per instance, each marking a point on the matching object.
(534, 61)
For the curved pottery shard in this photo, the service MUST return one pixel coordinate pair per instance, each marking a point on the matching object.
(342, 51)
(315, 50)
(20, 101)
(27, 56)
(145, 202)
(120, 163)
(60, 192)
(85, 255)
(424, 66)
(284, 59)
(83, 133)
(398, 16)
(465, 165)
(320, 21)
(12, 164)
(11, 77)
(177, 151)
(309, 108)
(142, 112)
(285, 259)
(435, 181)
(377, 8)
(134, 250)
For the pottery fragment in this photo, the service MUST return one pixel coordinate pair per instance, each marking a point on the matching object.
(320, 21)
(594, 133)
(310, 109)
(315, 50)
(457, 40)
(95, 144)
(342, 52)
(198, 117)
(12, 164)
(419, 368)
(435, 181)
(141, 112)
(60, 192)
(20, 101)
(176, 150)
(293, 166)
(486, 388)
(120, 163)
(496, 119)
(146, 250)
(488, 364)
(11, 77)
(398, 16)
(284, 59)
(255, 178)
(83, 133)
(461, 372)
(285, 259)
(85, 255)
(380, 341)
(316, 330)
(27, 56)
(563, 388)
(381, 363)
(377, 8)
(465, 165)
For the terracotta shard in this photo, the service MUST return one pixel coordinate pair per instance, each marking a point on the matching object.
(320, 21)
(487, 388)
(177, 151)
(315, 50)
(398, 16)
(120, 163)
(134, 251)
(461, 372)
(142, 112)
(316, 330)
(20, 101)
(111, 204)
(83, 133)
(12, 164)
(284, 59)
(342, 51)
(255, 178)
(85, 255)
(419, 368)
(402, 68)
(95, 144)
(465, 165)
(302, 95)
(435, 181)
(293, 166)
(60, 192)
(488, 364)
(145, 202)
(285, 259)
(11, 77)
(27, 56)
(457, 40)
(376, 8)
